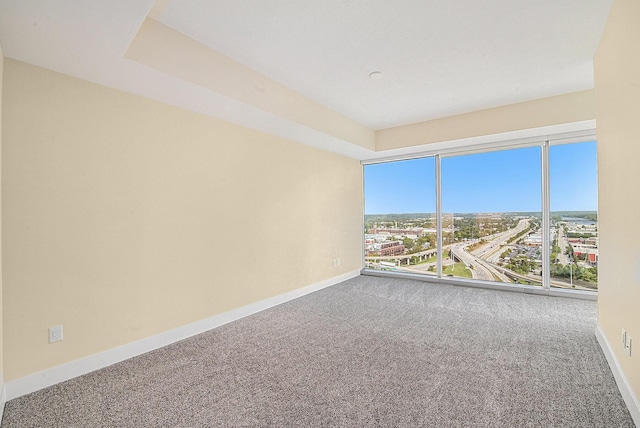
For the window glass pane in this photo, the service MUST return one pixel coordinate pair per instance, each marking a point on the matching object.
(574, 216)
(400, 225)
(491, 205)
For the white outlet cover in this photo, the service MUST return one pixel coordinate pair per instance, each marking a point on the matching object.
(55, 334)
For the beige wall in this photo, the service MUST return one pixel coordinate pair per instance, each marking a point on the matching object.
(124, 217)
(561, 109)
(617, 78)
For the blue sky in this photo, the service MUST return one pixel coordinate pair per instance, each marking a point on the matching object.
(502, 181)
(573, 177)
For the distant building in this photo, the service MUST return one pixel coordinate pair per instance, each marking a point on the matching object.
(590, 253)
(534, 239)
(384, 249)
(591, 241)
(411, 233)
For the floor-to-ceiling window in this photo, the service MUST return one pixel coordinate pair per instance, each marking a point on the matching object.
(574, 216)
(494, 201)
(522, 213)
(400, 220)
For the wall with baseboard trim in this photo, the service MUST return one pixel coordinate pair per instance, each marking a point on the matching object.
(34, 382)
(125, 218)
(617, 93)
(623, 384)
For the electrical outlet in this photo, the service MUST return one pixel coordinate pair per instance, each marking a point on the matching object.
(55, 334)
(627, 345)
(337, 262)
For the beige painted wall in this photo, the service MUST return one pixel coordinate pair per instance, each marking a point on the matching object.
(617, 78)
(124, 217)
(561, 109)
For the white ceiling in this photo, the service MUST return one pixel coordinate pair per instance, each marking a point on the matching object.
(438, 57)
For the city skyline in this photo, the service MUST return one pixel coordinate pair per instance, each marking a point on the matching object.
(491, 182)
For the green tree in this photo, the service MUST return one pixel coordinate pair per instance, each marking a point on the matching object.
(521, 265)
(408, 243)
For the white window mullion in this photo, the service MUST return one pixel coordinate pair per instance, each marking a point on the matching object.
(546, 221)
(438, 217)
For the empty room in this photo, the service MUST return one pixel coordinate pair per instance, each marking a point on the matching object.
(319, 213)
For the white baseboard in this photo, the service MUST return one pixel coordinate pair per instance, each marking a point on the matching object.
(25, 385)
(3, 396)
(623, 385)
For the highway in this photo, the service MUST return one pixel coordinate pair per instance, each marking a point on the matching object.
(492, 249)
(484, 257)
(488, 254)
(479, 271)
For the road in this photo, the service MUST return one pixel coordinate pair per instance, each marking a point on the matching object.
(479, 271)
(492, 249)
(562, 243)
(484, 257)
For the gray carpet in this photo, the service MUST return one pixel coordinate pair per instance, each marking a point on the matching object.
(369, 352)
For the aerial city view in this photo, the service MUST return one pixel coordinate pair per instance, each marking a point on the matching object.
(492, 216)
(502, 247)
